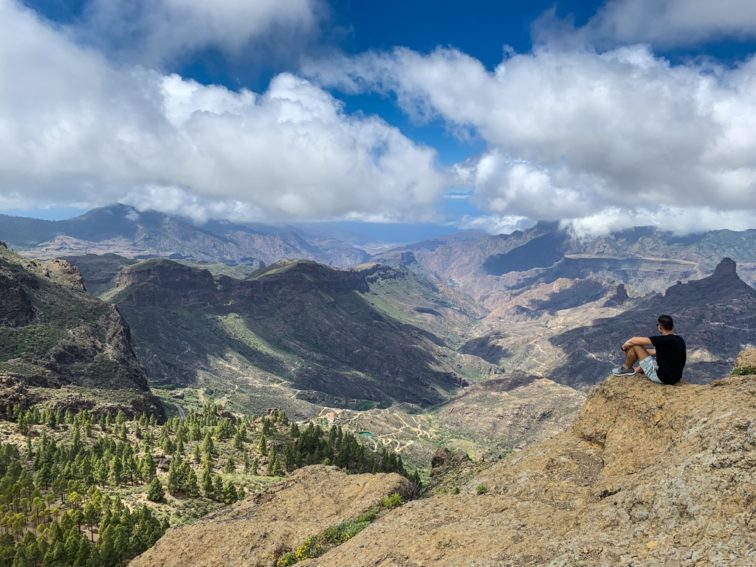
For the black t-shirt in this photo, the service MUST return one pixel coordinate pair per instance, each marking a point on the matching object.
(670, 356)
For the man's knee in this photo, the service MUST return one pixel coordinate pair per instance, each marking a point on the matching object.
(640, 351)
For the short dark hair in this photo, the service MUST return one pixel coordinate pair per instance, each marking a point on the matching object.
(665, 322)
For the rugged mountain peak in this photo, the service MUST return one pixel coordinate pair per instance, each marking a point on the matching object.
(723, 283)
(127, 231)
(727, 267)
(118, 209)
(619, 298)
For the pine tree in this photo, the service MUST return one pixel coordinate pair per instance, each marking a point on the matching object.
(207, 482)
(208, 447)
(272, 461)
(218, 489)
(155, 492)
(263, 445)
(266, 426)
(115, 471)
(229, 493)
(149, 468)
(238, 441)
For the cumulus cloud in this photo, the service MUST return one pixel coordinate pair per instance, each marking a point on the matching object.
(572, 133)
(159, 31)
(665, 23)
(77, 130)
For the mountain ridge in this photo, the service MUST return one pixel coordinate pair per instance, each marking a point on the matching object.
(124, 230)
(302, 322)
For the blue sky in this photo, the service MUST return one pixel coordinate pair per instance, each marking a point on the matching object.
(480, 114)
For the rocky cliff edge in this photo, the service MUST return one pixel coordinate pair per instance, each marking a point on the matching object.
(647, 475)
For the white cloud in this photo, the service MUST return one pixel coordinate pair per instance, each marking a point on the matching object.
(159, 31)
(677, 220)
(664, 23)
(76, 130)
(576, 132)
(493, 224)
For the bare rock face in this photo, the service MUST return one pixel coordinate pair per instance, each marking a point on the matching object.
(16, 306)
(258, 530)
(620, 297)
(61, 345)
(746, 361)
(648, 475)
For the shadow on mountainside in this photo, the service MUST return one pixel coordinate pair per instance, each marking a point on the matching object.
(303, 323)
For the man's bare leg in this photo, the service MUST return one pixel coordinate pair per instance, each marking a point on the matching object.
(634, 354)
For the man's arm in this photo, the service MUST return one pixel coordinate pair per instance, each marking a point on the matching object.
(636, 341)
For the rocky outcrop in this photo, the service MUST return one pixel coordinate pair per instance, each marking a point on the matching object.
(619, 297)
(745, 363)
(648, 475)
(260, 529)
(16, 306)
(61, 345)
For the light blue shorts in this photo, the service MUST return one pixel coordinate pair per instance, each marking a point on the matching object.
(649, 367)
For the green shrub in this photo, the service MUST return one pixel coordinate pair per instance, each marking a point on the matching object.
(309, 549)
(286, 559)
(316, 545)
(370, 515)
(744, 370)
(392, 501)
(481, 489)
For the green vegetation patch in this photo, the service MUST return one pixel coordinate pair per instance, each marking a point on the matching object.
(29, 340)
(97, 489)
(20, 368)
(102, 368)
(744, 370)
(333, 536)
(234, 325)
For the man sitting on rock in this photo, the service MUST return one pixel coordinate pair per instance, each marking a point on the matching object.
(662, 364)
